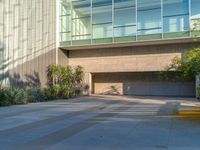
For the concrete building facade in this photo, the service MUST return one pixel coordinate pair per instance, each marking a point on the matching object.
(122, 44)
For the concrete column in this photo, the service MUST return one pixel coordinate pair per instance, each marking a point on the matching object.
(88, 81)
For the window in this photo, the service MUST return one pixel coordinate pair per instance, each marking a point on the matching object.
(149, 17)
(65, 21)
(81, 20)
(102, 18)
(124, 18)
(175, 15)
(195, 14)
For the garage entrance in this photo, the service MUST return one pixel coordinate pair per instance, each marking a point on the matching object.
(140, 84)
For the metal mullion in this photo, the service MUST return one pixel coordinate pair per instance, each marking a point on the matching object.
(112, 21)
(136, 13)
(127, 7)
(121, 26)
(102, 23)
(162, 20)
(190, 12)
(71, 22)
(91, 20)
(80, 18)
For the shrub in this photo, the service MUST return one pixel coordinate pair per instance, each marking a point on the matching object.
(15, 96)
(52, 92)
(36, 95)
(48, 94)
(3, 101)
(64, 82)
(186, 67)
(66, 91)
(77, 91)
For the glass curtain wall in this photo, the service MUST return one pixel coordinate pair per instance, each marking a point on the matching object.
(149, 24)
(195, 17)
(175, 18)
(65, 21)
(114, 21)
(81, 22)
(102, 21)
(124, 24)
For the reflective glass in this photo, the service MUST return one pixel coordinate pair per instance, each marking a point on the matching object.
(195, 14)
(81, 20)
(149, 17)
(175, 15)
(102, 18)
(124, 18)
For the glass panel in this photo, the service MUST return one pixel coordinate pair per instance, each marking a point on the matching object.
(81, 20)
(102, 19)
(195, 17)
(65, 36)
(81, 27)
(124, 12)
(124, 18)
(102, 11)
(149, 17)
(176, 15)
(65, 23)
(65, 7)
(125, 31)
(65, 20)
(102, 30)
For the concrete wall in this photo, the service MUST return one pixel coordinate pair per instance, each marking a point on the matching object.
(143, 84)
(127, 59)
(133, 59)
(27, 40)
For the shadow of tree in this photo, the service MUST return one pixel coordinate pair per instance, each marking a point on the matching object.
(33, 80)
(114, 90)
(14, 79)
(30, 81)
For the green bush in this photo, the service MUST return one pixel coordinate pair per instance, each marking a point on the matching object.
(36, 95)
(3, 101)
(64, 82)
(15, 96)
(77, 91)
(186, 67)
(52, 92)
(66, 91)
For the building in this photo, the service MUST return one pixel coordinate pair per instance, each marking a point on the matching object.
(122, 44)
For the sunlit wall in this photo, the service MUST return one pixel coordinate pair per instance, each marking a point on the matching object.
(112, 21)
(27, 40)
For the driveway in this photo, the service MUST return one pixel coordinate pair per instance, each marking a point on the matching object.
(102, 123)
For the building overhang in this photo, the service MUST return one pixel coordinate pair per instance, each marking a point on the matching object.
(135, 43)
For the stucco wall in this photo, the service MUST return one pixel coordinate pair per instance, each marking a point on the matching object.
(27, 39)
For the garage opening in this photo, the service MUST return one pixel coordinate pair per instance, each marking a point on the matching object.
(140, 84)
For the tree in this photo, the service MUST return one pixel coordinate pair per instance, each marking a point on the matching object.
(186, 67)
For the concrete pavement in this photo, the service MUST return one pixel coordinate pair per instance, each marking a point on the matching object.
(102, 123)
